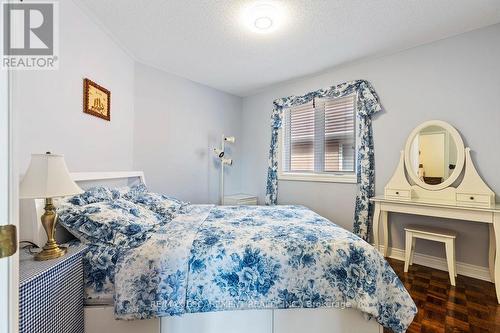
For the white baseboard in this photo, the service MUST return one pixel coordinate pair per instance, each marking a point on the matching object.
(473, 271)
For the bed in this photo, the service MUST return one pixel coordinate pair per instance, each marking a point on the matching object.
(206, 268)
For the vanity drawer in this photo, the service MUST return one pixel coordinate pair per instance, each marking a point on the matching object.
(399, 194)
(482, 200)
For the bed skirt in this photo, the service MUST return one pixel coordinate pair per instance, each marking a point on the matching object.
(101, 319)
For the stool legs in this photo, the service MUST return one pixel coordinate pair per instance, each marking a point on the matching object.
(412, 253)
(455, 258)
(408, 245)
(450, 258)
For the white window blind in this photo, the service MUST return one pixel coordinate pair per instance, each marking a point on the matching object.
(299, 138)
(319, 137)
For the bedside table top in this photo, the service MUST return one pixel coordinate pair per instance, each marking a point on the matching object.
(240, 196)
(30, 269)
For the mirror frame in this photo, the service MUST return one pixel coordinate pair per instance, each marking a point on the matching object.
(460, 155)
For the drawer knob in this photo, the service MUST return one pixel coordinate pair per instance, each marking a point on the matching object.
(472, 198)
(397, 192)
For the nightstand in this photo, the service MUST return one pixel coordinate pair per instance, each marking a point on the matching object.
(240, 199)
(51, 293)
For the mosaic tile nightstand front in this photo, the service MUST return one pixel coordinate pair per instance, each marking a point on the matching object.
(51, 293)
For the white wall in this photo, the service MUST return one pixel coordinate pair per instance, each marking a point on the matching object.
(175, 121)
(48, 104)
(177, 124)
(456, 80)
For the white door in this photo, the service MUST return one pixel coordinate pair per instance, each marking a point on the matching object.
(432, 154)
(8, 187)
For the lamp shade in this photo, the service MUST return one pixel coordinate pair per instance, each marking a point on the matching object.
(47, 177)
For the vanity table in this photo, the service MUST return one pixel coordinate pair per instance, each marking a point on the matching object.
(435, 150)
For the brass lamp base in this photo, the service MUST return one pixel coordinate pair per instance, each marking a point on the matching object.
(50, 251)
(49, 220)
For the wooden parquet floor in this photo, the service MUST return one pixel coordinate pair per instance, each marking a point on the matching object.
(471, 306)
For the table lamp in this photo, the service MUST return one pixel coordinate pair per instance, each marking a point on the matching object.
(47, 178)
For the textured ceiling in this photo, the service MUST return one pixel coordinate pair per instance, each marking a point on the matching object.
(204, 40)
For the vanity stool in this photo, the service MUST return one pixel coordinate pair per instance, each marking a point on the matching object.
(412, 232)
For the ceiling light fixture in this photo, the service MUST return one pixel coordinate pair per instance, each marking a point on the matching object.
(262, 17)
(263, 23)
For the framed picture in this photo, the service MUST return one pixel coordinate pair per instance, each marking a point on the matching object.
(96, 100)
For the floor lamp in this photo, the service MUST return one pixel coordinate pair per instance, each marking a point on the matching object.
(220, 152)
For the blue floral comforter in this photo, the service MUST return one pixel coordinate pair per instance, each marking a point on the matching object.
(254, 257)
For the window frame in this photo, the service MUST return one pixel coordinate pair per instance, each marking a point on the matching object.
(327, 177)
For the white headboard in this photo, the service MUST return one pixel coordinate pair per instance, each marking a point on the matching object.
(31, 210)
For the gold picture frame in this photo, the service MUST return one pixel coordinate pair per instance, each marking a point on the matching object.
(96, 100)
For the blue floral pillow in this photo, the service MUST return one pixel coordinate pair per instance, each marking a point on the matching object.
(163, 205)
(93, 195)
(132, 192)
(118, 222)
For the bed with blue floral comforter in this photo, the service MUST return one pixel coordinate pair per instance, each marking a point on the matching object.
(215, 258)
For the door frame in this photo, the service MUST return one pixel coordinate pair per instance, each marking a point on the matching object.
(12, 262)
(13, 210)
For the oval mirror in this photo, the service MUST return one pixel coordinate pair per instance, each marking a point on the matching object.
(434, 155)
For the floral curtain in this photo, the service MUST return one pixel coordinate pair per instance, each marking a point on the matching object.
(367, 103)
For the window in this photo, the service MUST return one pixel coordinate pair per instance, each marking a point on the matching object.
(318, 141)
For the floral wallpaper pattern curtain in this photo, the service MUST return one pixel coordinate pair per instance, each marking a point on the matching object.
(367, 103)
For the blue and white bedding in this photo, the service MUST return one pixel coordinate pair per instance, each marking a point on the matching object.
(204, 258)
